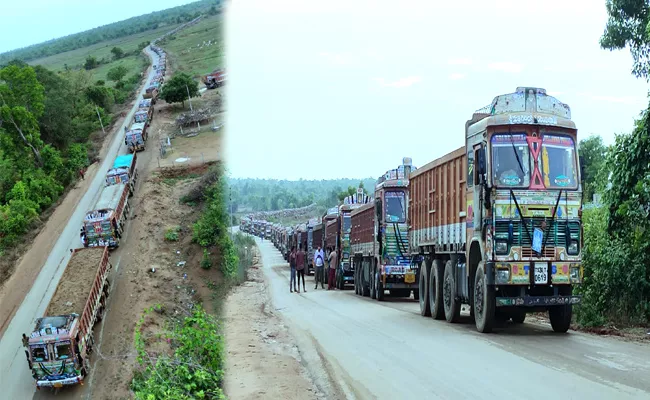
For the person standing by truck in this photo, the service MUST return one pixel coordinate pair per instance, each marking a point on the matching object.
(292, 265)
(301, 260)
(319, 262)
(333, 259)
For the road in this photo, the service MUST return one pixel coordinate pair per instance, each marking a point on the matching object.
(386, 350)
(15, 377)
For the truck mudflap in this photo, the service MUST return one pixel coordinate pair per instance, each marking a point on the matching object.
(537, 301)
(57, 383)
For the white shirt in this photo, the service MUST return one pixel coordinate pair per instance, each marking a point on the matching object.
(319, 261)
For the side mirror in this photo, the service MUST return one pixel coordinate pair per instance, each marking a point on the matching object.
(480, 165)
(582, 168)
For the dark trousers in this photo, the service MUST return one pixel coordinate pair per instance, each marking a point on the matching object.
(292, 282)
(330, 282)
(320, 277)
(301, 273)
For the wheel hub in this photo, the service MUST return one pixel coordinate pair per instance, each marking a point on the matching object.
(478, 297)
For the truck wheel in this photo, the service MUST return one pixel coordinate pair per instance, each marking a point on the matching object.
(356, 280)
(451, 303)
(416, 294)
(435, 290)
(425, 308)
(484, 301)
(373, 293)
(560, 317)
(365, 286)
(379, 286)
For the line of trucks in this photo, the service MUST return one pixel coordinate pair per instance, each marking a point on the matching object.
(59, 347)
(495, 224)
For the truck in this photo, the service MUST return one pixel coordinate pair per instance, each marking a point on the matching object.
(123, 172)
(59, 347)
(311, 244)
(143, 116)
(379, 240)
(136, 137)
(215, 79)
(497, 222)
(151, 93)
(345, 269)
(104, 224)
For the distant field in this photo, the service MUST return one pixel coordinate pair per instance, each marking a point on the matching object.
(188, 53)
(75, 59)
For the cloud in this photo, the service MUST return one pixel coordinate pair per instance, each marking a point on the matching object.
(619, 99)
(506, 67)
(338, 58)
(460, 61)
(456, 76)
(400, 83)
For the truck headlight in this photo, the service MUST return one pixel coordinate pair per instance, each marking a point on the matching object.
(501, 247)
(503, 276)
(573, 248)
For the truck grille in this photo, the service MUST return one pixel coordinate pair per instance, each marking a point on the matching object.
(556, 233)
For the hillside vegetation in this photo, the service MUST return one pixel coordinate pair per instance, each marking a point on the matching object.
(143, 23)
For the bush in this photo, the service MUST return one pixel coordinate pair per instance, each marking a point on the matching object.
(172, 234)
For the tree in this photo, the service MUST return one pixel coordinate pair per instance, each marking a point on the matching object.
(627, 25)
(593, 153)
(212, 10)
(91, 63)
(117, 73)
(117, 53)
(176, 88)
(142, 45)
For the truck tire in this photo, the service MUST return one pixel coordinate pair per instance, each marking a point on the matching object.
(560, 316)
(425, 309)
(435, 291)
(451, 303)
(519, 316)
(373, 292)
(416, 295)
(379, 286)
(356, 280)
(484, 301)
(365, 286)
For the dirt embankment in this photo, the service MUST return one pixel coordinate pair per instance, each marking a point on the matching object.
(262, 360)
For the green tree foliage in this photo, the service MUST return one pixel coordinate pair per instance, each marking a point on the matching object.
(627, 26)
(593, 153)
(351, 190)
(45, 120)
(139, 24)
(272, 194)
(193, 371)
(117, 53)
(91, 63)
(617, 249)
(176, 89)
(116, 74)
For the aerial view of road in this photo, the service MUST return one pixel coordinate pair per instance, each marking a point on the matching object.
(387, 350)
(14, 377)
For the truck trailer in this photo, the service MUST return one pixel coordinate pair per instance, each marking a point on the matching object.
(104, 224)
(497, 222)
(59, 347)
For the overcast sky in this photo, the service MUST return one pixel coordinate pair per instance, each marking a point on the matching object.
(361, 84)
(35, 21)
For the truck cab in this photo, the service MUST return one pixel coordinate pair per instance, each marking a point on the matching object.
(345, 269)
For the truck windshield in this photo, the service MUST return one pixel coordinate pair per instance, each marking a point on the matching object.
(395, 206)
(39, 353)
(62, 350)
(510, 160)
(559, 162)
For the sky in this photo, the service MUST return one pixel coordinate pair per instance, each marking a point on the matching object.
(37, 21)
(333, 89)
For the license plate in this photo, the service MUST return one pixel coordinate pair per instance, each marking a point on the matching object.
(409, 278)
(58, 384)
(541, 273)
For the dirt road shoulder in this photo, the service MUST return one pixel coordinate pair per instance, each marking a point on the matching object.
(262, 360)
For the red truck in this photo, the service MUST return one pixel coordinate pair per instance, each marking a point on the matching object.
(58, 349)
(215, 79)
(104, 224)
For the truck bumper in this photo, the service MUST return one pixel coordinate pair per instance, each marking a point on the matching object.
(401, 285)
(521, 272)
(538, 301)
(57, 383)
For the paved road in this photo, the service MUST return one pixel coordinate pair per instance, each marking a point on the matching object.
(388, 351)
(15, 377)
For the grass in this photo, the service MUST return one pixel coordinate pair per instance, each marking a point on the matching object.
(135, 63)
(199, 60)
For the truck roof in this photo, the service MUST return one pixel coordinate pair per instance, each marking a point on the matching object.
(108, 200)
(77, 280)
(124, 160)
(137, 125)
(449, 156)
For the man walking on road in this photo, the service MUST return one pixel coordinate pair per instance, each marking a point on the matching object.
(319, 262)
(332, 269)
(301, 259)
(292, 265)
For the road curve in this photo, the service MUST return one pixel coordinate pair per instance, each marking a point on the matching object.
(15, 377)
(388, 351)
